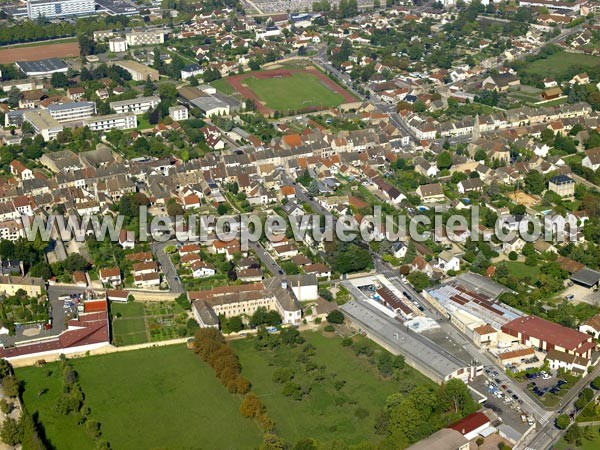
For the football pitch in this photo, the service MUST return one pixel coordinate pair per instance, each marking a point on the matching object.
(294, 92)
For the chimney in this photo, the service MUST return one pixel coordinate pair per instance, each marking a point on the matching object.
(284, 283)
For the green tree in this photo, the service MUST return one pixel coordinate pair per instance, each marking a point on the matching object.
(335, 316)
(534, 182)
(10, 432)
(419, 280)
(10, 386)
(59, 80)
(563, 421)
(444, 161)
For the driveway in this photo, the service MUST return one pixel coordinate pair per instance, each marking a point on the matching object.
(158, 248)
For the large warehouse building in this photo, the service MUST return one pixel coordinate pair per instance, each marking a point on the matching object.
(546, 336)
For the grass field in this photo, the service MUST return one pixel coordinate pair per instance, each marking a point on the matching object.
(326, 414)
(559, 63)
(130, 328)
(297, 91)
(522, 271)
(585, 444)
(146, 399)
(223, 86)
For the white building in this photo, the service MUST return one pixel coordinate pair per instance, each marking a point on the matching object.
(193, 70)
(112, 121)
(118, 45)
(67, 112)
(145, 38)
(136, 105)
(59, 8)
(178, 113)
(11, 230)
(43, 123)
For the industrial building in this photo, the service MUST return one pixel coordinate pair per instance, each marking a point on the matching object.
(138, 72)
(545, 335)
(42, 67)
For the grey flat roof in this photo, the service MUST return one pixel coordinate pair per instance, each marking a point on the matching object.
(411, 345)
(71, 105)
(42, 65)
(587, 277)
(482, 284)
(208, 103)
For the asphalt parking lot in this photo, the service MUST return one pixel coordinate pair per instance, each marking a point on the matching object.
(510, 413)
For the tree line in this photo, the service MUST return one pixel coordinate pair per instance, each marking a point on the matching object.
(14, 432)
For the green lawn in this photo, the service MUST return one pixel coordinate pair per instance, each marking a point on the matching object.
(223, 86)
(146, 399)
(560, 63)
(522, 271)
(326, 414)
(585, 443)
(130, 328)
(298, 91)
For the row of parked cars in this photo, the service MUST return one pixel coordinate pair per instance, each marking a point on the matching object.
(541, 391)
(543, 374)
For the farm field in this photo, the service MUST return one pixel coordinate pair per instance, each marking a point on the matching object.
(326, 413)
(558, 64)
(130, 392)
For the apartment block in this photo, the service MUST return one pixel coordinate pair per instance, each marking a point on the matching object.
(43, 123)
(67, 112)
(136, 105)
(112, 121)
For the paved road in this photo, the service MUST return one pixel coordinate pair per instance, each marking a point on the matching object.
(266, 258)
(175, 285)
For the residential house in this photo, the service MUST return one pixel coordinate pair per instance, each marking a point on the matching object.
(431, 193)
(592, 159)
(110, 276)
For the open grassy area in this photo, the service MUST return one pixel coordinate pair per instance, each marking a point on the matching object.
(559, 63)
(586, 444)
(130, 327)
(146, 399)
(326, 413)
(222, 86)
(298, 91)
(522, 271)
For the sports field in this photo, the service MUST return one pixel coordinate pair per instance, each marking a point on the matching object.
(296, 91)
(285, 90)
(32, 52)
(162, 397)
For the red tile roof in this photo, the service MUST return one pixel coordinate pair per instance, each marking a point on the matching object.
(470, 423)
(549, 332)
